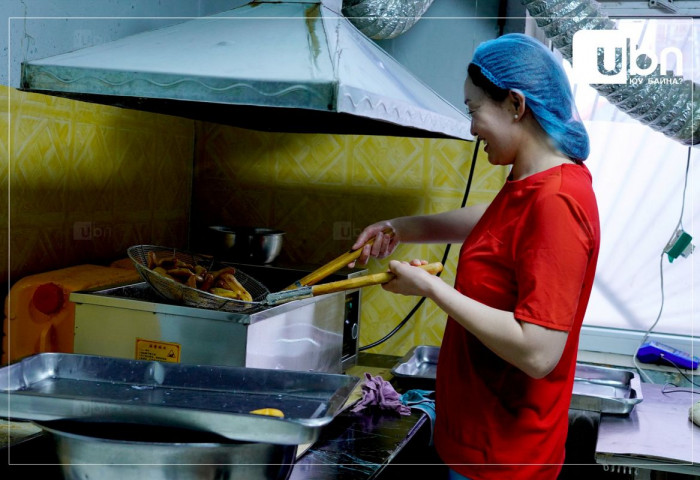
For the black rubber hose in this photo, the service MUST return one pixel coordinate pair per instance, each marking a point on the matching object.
(444, 259)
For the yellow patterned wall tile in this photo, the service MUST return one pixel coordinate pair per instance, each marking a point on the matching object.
(381, 313)
(217, 144)
(247, 206)
(123, 118)
(40, 249)
(92, 155)
(242, 157)
(375, 161)
(251, 163)
(4, 122)
(427, 325)
(171, 180)
(87, 181)
(169, 231)
(449, 161)
(322, 190)
(114, 235)
(487, 181)
(27, 105)
(5, 93)
(38, 157)
(138, 232)
(87, 114)
(370, 208)
(309, 219)
(430, 325)
(320, 160)
(97, 179)
(4, 247)
(441, 201)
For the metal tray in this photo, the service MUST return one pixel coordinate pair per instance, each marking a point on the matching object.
(597, 389)
(420, 363)
(605, 390)
(56, 386)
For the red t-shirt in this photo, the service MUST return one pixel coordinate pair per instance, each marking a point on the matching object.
(534, 253)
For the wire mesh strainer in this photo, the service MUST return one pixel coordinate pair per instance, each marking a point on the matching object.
(193, 297)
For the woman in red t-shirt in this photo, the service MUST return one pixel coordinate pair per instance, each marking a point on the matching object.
(524, 276)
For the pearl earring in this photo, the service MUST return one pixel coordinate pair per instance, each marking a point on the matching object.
(515, 116)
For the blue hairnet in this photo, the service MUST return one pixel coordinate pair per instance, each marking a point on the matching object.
(518, 62)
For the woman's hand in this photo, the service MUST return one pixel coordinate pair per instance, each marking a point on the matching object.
(384, 243)
(410, 280)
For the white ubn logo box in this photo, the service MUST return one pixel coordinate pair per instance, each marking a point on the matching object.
(594, 54)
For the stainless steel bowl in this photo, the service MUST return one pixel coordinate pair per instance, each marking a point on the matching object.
(121, 452)
(246, 244)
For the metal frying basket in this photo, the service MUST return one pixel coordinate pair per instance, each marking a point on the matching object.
(193, 297)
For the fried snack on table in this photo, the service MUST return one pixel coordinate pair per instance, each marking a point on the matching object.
(221, 282)
(272, 412)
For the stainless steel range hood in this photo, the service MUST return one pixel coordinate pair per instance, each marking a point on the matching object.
(291, 66)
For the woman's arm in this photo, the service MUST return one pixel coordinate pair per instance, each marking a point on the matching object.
(533, 349)
(447, 227)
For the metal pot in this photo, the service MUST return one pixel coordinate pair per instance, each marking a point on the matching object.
(110, 451)
(246, 244)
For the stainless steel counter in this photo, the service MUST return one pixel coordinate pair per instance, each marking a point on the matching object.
(657, 435)
(367, 445)
(371, 445)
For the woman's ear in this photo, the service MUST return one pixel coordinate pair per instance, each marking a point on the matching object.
(517, 102)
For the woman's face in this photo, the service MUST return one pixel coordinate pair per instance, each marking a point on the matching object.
(493, 123)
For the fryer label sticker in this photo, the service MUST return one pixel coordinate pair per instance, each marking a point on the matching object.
(157, 351)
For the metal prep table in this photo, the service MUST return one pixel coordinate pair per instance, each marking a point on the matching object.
(373, 446)
(367, 445)
(657, 434)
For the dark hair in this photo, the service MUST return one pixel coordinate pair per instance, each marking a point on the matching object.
(479, 79)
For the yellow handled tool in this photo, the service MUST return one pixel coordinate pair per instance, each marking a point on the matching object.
(333, 266)
(341, 285)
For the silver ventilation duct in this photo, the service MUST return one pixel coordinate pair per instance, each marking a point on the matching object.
(384, 19)
(672, 109)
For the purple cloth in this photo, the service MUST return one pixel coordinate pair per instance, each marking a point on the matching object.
(379, 392)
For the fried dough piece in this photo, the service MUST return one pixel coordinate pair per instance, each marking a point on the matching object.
(163, 272)
(217, 273)
(167, 263)
(207, 282)
(221, 282)
(180, 264)
(224, 292)
(229, 282)
(152, 260)
(180, 272)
